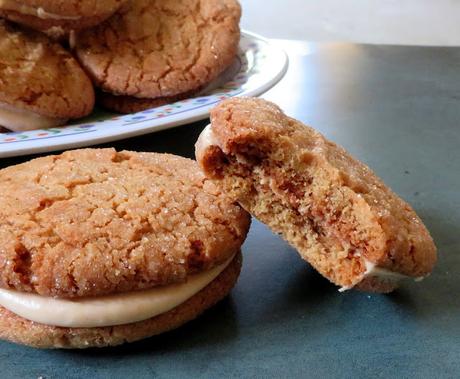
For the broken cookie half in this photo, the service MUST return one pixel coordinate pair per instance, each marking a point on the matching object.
(332, 208)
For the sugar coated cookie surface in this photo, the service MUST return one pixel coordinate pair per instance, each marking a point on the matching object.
(96, 221)
(66, 14)
(160, 48)
(333, 209)
(39, 76)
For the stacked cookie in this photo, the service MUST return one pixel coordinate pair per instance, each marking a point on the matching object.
(138, 54)
(100, 247)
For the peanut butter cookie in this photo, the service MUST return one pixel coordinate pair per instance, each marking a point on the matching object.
(100, 247)
(42, 85)
(156, 49)
(332, 208)
(156, 216)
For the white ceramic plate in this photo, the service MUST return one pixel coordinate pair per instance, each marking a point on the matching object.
(258, 67)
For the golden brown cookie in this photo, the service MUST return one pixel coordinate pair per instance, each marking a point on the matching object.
(160, 49)
(122, 230)
(44, 15)
(156, 214)
(19, 330)
(333, 209)
(42, 85)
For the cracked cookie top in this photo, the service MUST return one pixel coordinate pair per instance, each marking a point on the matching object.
(40, 76)
(96, 221)
(160, 48)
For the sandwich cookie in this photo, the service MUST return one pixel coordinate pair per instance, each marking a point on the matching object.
(332, 208)
(42, 85)
(49, 15)
(155, 51)
(99, 248)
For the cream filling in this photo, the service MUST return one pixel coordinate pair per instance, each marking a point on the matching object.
(20, 120)
(16, 6)
(372, 270)
(119, 309)
(206, 139)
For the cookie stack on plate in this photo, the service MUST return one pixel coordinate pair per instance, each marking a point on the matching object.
(56, 58)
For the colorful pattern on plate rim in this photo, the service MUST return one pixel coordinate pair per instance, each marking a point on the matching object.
(229, 89)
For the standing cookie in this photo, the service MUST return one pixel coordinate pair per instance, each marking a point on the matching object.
(65, 15)
(333, 209)
(157, 49)
(42, 85)
(100, 248)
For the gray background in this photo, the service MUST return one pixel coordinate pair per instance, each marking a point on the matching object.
(398, 110)
(400, 22)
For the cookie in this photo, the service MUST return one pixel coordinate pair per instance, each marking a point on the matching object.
(157, 49)
(128, 104)
(47, 15)
(42, 84)
(332, 208)
(98, 223)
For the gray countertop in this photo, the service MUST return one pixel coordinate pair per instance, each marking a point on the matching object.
(398, 110)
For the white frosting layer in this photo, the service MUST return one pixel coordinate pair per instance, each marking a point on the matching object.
(16, 6)
(373, 271)
(20, 120)
(206, 139)
(119, 309)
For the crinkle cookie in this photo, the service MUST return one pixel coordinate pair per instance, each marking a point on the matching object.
(100, 247)
(332, 208)
(157, 49)
(42, 85)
